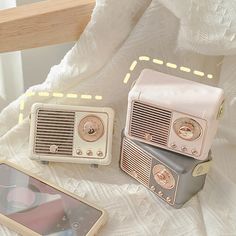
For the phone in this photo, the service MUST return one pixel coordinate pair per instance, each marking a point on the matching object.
(33, 207)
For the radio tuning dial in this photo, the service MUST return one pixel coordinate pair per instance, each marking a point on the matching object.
(91, 128)
(187, 128)
(163, 176)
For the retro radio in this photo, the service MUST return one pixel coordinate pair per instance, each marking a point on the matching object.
(71, 134)
(173, 177)
(174, 113)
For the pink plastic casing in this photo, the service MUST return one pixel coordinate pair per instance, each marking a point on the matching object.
(181, 98)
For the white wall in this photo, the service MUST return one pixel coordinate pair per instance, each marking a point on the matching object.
(36, 63)
(11, 76)
(20, 70)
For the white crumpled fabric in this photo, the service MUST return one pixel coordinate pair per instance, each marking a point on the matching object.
(196, 34)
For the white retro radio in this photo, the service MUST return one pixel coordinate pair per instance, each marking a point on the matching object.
(75, 134)
(174, 113)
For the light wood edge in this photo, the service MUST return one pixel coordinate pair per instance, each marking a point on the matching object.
(13, 225)
(43, 23)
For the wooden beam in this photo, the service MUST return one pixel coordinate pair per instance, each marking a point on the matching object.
(44, 23)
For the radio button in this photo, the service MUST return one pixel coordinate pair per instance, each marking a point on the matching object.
(194, 152)
(153, 188)
(89, 153)
(184, 149)
(173, 145)
(79, 152)
(100, 153)
(160, 193)
(168, 199)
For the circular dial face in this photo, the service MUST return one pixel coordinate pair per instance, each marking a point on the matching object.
(187, 129)
(163, 176)
(91, 128)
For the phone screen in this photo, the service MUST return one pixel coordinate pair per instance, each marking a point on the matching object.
(42, 208)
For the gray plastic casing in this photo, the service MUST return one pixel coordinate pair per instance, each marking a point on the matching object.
(180, 166)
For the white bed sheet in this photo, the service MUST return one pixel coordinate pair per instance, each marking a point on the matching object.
(119, 33)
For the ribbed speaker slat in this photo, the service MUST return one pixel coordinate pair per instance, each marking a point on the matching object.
(144, 115)
(54, 127)
(49, 126)
(150, 107)
(148, 119)
(135, 160)
(59, 132)
(151, 112)
(56, 112)
(46, 121)
(148, 126)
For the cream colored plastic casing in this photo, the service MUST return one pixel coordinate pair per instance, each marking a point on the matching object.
(174, 113)
(21, 229)
(61, 133)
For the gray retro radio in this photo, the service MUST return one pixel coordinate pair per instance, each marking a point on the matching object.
(173, 177)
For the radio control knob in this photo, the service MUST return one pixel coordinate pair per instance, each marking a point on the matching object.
(100, 153)
(163, 176)
(173, 145)
(187, 128)
(160, 193)
(152, 188)
(186, 131)
(91, 128)
(89, 153)
(79, 152)
(184, 149)
(194, 152)
(168, 199)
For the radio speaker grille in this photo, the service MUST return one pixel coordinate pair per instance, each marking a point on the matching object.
(54, 127)
(136, 162)
(152, 121)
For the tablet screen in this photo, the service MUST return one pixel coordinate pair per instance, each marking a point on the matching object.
(42, 208)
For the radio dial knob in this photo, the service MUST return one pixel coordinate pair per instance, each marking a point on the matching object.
(186, 131)
(187, 128)
(163, 176)
(91, 128)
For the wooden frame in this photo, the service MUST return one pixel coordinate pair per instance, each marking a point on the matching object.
(44, 23)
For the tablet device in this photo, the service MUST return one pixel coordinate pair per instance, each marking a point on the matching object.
(31, 206)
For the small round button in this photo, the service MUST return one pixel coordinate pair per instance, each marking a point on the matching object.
(89, 153)
(173, 145)
(183, 149)
(152, 188)
(194, 152)
(160, 193)
(100, 153)
(79, 152)
(168, 199)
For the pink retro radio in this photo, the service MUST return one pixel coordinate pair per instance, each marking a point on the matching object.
(174, 113)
